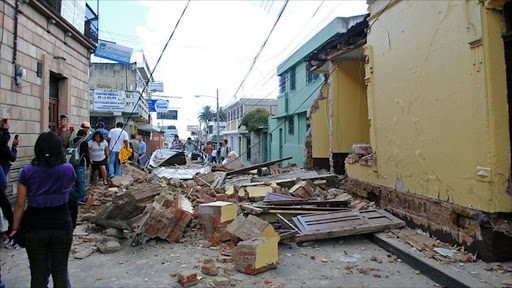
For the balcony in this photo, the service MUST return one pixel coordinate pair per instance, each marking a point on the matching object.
(91, 24)
(141, 112)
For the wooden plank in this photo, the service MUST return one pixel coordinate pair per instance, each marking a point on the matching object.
(254, 167)
(279, 197)
(305, 209)
(219, 181)
(300, 201)
(285, 223)
(288, 175)
(338, 224)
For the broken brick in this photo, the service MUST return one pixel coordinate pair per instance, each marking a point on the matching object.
(256, 255)
(209, 268)
(251, 227)
(187, 278)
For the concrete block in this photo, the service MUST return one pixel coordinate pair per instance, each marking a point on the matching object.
(109, 247)
(257, 193)
(256, 255)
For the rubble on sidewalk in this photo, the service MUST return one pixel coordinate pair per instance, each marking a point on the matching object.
(431, 247)
(243, 212)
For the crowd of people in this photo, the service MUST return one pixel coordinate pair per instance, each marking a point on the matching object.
(51, 188)
(214, 155)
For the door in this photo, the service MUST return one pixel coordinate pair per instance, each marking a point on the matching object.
(280, 143)
(507, 39)
(53, 106)
(249, 151)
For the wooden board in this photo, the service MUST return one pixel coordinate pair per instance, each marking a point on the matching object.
(306, 202)
(254, 167)
(344, 223)
(289, 175)
(279, 197)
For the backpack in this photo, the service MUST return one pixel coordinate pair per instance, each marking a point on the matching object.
(73, 156)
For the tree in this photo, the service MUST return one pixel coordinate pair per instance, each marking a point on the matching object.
(222, 115)
(206, 115)
(255, 119)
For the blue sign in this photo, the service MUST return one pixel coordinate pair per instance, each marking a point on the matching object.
(113, 51)
(158, 105)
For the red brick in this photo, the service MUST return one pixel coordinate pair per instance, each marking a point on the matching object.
(187, 278)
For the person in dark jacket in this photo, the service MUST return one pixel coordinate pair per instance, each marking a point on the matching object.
(85, 160)
(7, 155)
(45, 186)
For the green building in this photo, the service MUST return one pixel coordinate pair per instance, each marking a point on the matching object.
(298, 88)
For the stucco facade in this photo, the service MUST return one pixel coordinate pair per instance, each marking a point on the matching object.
(62, 53)
(298, 91)
(439, 121)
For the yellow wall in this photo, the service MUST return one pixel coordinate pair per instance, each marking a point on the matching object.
(320, 128)
(438, 105)
(349, 106)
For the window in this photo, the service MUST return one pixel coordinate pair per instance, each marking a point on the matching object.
(291, 126)
(282, 83)
(292, 79)
(310, 77)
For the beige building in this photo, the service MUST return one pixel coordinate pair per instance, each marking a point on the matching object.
(50, 55)
(240, 140)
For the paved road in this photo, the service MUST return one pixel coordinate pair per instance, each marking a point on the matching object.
(154, 265)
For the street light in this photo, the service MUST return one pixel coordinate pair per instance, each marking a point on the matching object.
(217, 115)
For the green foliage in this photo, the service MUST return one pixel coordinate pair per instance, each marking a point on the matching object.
(171, 127)
(255, 119)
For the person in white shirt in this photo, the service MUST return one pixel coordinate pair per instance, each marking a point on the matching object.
(98, 151)
(117, 137)
(214, 155)
(224, 150)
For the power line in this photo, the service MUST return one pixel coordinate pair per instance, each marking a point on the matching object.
(261, 48)
(152, 71)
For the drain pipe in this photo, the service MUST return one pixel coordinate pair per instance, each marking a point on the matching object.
(15, 44)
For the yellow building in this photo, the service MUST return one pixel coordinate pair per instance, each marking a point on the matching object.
(438, 115)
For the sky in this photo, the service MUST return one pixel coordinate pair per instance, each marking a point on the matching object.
(215, 44)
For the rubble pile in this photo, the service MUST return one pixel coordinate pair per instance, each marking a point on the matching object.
(251, 209)
(431, 247)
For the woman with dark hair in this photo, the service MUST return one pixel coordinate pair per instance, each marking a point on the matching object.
(98, 148)
(46, 184)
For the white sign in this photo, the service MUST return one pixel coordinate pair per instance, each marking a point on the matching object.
(109, 100)
(74, 12)
(114, 52)
(156, 87)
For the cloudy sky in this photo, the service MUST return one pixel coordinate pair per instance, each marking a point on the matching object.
(216, 43)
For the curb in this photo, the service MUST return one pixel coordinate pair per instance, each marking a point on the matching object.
(428, 267)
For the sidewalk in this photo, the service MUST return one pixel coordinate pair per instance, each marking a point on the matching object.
(458, 274)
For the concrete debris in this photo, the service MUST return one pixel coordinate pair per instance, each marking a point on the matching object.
(143, 205)
(109, 247)
(210, 268)
(187, 278)
(431, 247)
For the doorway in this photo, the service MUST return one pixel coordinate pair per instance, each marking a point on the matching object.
(507, 40)
(53, 106)
(280, 143)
